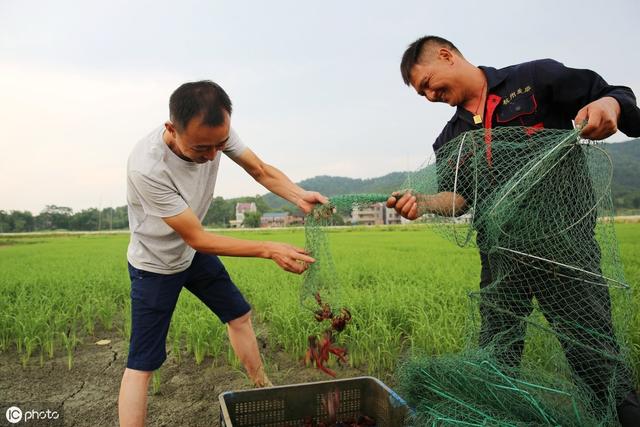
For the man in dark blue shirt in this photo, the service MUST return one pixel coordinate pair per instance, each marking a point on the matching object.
(537, 94)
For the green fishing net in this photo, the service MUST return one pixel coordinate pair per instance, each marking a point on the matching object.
(537, 204)
(321, 278)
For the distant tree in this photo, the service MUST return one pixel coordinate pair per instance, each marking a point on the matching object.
(120, 218)
(85, 220)
(54, 217)
(261, 204)
(110, 219)
(4, 222)
(252, 219)
(336, 219)
(20, 221)
(219, 213)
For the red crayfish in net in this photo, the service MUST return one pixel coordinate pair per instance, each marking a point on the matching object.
(319, 349)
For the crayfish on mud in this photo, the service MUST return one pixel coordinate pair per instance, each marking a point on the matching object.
(320, 349)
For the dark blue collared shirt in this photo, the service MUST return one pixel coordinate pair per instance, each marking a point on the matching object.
(542, 93)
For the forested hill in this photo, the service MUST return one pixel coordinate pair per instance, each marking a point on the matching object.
(626, 179)
(626, 173)
(333, 185)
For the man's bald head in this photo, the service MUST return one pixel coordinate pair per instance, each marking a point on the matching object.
(422, 50)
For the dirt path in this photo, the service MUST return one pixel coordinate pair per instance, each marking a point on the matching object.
(87, 394)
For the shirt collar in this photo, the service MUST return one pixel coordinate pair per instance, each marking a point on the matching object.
(494, 78)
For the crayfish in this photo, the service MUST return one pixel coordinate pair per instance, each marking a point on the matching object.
(320, 349)
(339, 322)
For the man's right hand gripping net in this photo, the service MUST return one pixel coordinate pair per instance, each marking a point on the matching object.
(538, 206)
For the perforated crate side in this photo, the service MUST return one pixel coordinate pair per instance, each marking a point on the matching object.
(288, 406)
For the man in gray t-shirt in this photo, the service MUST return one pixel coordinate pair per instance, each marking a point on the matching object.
(171, 176)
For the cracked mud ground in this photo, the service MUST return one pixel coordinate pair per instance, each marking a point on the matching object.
(88, 392)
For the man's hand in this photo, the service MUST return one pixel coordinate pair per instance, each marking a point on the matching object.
(288, 257)
(406, 204)
(309, 199)
(602, 118)
(413, 206)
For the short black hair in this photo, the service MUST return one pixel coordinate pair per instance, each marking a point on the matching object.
(413, 54)
(203, 98)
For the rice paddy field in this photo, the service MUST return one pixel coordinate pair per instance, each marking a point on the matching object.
(407, 289)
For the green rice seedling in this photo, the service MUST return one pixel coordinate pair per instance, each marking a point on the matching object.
(106, 311)
(232, 359)
(29, 344)
(176, 347)
(126, 320)
(69, 341)
(155, 382)
(88, 313)
(199, 348)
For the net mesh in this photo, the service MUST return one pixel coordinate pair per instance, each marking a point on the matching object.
(537, 204)
(321, 277)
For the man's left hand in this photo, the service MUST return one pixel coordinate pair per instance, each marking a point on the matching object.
(309, 199)
(602, 118)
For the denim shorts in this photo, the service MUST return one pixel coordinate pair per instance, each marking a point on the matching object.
(154, 297)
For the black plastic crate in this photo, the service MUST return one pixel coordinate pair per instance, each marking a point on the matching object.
(289, 405)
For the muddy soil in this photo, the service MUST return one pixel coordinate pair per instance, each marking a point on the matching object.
(87, 394)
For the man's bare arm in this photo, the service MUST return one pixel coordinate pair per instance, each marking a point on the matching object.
(413, 206)
(188, 226)
(277, 182)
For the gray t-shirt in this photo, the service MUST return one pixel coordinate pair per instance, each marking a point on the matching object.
(160, 184)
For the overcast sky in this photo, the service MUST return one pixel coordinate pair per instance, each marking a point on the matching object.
(315, 85)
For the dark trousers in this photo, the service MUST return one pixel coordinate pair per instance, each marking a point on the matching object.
(577, 307)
